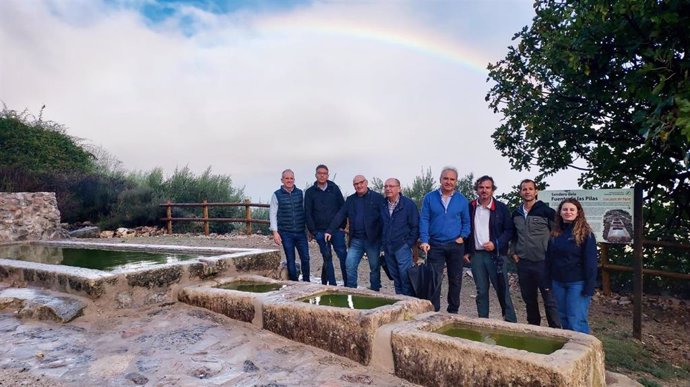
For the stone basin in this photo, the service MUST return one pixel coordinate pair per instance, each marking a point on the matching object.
(425, 354)
(235, 297)
(133, 287)
(346, 332)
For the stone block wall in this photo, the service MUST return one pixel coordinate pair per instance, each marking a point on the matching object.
(29, 216)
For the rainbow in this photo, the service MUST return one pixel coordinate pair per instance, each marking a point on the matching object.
(423, 42)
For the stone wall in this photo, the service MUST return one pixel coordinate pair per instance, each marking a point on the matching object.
(29, 216)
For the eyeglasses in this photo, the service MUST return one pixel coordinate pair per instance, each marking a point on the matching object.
(356, 183)
(391, 186)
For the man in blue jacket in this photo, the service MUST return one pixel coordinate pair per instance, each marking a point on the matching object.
(321, 202)
(400, 232)
(288, 222)
(363, 210)
(487, 247)
(443, 227)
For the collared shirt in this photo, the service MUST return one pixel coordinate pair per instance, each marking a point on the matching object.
(391, 206)
(481, 225)
(445, 199)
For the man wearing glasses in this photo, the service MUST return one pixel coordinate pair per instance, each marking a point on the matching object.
(322, 201)
(400, 232)
(362, 209)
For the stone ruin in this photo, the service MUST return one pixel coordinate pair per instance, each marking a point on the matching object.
(29, 216)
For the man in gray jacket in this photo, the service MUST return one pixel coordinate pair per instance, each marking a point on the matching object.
(533, 220)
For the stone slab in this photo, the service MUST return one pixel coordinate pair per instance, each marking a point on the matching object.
(41, 305)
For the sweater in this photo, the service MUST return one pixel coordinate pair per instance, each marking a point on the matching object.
(568, 262)
(440, 225)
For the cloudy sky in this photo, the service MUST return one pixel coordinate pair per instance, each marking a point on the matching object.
(378, 87)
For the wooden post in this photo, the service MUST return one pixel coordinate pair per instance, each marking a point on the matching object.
(168, 214)
(248, 216)
(205, 215)
(605, 274)
(638, 225)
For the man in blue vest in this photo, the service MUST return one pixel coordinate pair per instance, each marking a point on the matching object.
(288, 224)
(321, 202)
(363, 209)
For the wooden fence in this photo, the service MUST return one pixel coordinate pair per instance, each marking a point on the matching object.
(247, 220)
(607, 268)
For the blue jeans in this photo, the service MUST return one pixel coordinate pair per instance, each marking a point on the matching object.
(450, 255)
(484, 270)
(354, 256)
(531, 277)
(338, 243)
(292, 240)
(573, 307)
(398, 263)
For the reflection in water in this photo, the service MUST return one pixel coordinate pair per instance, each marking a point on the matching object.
(98, 259)
(351, 301)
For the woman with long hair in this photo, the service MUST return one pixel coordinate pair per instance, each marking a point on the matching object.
(571, 265)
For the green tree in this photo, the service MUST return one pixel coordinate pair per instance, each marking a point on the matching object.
(603, 86)
(376, 184)
(422, 184)
(34, 145)
(466, 186)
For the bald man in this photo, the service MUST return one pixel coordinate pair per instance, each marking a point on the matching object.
(362, 209)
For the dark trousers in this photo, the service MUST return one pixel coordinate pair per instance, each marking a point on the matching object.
(338, 243)
(292, 241)
(449, 255)
(531, 277)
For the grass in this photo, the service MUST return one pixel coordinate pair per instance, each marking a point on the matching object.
(627, 355)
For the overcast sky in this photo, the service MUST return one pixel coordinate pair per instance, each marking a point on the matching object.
(376, 87)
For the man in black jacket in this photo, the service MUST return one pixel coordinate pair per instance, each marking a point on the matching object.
(533, 221)
(363, 210)
(322, 201)
(487, 246)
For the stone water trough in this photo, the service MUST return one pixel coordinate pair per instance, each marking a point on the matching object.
(290, 311)
(423, 354)
(240, 298)
(341, 330)
(141, 285)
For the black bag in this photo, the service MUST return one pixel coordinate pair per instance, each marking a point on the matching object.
(425, 283)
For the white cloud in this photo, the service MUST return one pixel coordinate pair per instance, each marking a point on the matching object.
(253, 93)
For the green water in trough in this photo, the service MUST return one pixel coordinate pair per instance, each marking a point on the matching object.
(535, 344)
(98, 259)
(251, 286)
(352, 301)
